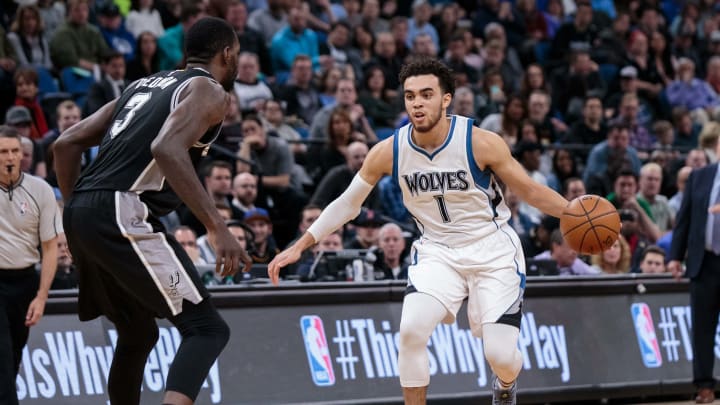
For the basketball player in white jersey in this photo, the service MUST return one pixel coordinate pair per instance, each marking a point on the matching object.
(446, 169)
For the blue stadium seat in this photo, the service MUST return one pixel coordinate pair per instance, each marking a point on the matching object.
(76, 81)
(46, 82)
(384, 132)
(608, 72)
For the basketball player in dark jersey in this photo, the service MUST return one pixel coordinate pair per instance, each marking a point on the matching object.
(130, 269)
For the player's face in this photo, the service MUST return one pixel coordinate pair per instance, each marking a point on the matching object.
(425, 102)
(231, 59)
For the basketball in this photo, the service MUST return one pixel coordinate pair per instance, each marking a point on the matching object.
(590, 224)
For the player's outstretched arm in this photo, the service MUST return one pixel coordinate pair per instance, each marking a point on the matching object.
(202, 105)
(491, 151)
(69, 147)
(344, 208)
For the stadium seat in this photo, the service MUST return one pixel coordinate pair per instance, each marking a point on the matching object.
(76, 81)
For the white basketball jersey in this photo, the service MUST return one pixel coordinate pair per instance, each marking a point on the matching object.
(453, 202)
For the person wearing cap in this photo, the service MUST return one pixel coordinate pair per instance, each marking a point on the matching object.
(112, 28)
(628, 77)
(692, 93)
(367, 227)
(77, 43)
(264, 244)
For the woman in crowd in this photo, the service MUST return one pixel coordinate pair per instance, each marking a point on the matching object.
(615, 260)
(378, 109)
(564, 166)
(144, 17)
(507, 123)
(28, 39)
(145, 62)
(322, 158)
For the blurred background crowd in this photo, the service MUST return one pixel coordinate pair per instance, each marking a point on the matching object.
(615, 98)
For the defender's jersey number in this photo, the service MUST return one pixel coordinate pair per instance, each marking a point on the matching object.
(132, 106)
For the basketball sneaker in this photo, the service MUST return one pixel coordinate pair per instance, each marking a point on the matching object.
(504, 396)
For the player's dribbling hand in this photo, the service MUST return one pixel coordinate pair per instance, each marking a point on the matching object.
(676, 268)
(284, 258)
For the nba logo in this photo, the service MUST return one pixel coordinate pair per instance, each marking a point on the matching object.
(645, 330)
(317, 350)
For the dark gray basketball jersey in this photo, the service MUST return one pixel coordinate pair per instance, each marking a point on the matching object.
(124, 161)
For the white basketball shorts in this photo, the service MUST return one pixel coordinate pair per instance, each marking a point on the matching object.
(489, 272)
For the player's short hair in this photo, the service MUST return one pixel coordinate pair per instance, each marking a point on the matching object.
(207, 37)
(429, 66)
(6, 131)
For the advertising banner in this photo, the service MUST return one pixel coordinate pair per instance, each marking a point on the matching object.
(318, 353)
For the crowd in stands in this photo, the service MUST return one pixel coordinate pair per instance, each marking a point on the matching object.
(615, 98)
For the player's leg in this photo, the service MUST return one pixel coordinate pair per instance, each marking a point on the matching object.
(501, 352)
(136, 337)
(421, 313)
(204, 335)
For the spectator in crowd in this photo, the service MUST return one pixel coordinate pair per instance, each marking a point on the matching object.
(244, 190)
(370, 12)
(572, 85)
(26, 95)
(617, 145)
(549, 129)
(567, 259)
(503, 14)
(363, 43)
(649, 83)
(336, 51)
(264, 246)
(113, 30)
(386, 57)
(580, 33)
(492, 95)
(68, 114)
(170, 44)
(533, 79)
(640, 137)
(708, 139)
(507, 122)
(309, 268)
(339, 177)
(629, 84)
(327, 84)
(28, 39)
(300, 93)
(391, 200)
(624, 196)
(681, 181)
(399, 30)
(633, 229)
(217, 178)
(696, 158)
(420, 23)
(692, 93)
(274, 121)
(573, 188)
(615, 260)
(464, 103)
(345, 99)
(30, 226)
(110, 86)
(251, 92)
(187, 238)
(528, 155)
(367, 226)
(538, 240)
(268, 21)
(423, 45)
(66, 274)
(251, 40)
(144, 17)
(519, 221)
(564, 166)
(77, 43)
(381, 111)
(19, 118)
(590, 129)
(147, 58)
(294, 39)
(661, 57)
(652, 260)
(271, 154)
(8, 63)
(713, 66)
(392, 261)
(649, 191)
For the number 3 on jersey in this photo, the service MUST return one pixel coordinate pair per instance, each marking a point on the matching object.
(440, 199)
(131, 107)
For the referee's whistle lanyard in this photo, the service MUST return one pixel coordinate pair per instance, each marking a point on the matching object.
(10, 184)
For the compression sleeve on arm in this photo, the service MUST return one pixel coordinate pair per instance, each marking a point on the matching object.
(342, 209)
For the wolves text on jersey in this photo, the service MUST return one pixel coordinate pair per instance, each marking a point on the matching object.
(436, 181)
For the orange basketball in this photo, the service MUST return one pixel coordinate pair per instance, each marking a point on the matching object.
(590, 224)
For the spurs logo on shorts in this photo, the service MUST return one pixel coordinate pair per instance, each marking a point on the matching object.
(174, 282)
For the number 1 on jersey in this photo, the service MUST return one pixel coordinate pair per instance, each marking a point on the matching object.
(440, 199)
(132, 106)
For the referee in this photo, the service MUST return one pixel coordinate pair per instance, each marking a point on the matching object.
(30, 219)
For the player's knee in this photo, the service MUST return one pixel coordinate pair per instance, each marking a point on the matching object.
(502, 357)
(219, 331)
(139, 341)
(412, 337)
